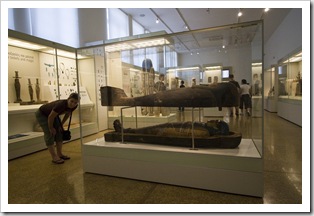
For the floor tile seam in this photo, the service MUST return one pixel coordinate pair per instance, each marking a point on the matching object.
(148, 193)
(278, 172)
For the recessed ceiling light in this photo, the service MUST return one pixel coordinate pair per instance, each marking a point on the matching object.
(240, 13)
(266, 9)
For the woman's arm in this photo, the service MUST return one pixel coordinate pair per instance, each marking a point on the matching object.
(51, 118)
(65, 118)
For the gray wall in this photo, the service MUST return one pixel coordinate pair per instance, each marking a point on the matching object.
(286, 38)
(239, 59)
(92, 25)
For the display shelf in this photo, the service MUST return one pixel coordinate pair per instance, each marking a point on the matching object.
(28, 135)
(22, 109)
(292, 98)
(34, 141)
(227, 170)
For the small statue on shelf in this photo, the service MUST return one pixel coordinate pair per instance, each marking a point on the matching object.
(299, 85)
(37, 89)
(30, 90)
(271, 91)
(17, 87)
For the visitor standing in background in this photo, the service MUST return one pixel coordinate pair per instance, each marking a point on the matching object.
(245, 98)
(231, 80)
(181, 109)
(193, 82)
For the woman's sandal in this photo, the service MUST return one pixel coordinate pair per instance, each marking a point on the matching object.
(64, 157)
(60, 161)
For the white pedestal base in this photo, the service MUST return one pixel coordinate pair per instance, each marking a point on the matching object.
(238, 171)
(291, 110)
(270, 104)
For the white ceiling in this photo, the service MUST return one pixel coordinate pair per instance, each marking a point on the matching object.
(173, 20)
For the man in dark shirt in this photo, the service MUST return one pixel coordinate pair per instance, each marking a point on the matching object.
(48, 118)
(231, 80)
(181, 86)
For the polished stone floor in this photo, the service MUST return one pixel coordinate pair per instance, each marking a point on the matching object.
(33, 179)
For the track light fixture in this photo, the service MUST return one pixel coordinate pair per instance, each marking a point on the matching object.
(157, 20)
(240, 13)
(266, 9)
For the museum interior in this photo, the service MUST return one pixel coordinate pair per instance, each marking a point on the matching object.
(158, 120)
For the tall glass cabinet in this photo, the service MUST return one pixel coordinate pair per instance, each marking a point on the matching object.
(203, 58)
(41, 71)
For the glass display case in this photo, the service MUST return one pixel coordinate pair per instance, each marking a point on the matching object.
(257, 88)
(290, 77)
(140, 94)
(290, 87)
(41, 71)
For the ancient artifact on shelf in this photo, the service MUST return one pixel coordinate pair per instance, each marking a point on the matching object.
(30, 90)
(215, 95)
(37, 89)
(271, 91)
(299, 85)
(212, 134)
(17, 87)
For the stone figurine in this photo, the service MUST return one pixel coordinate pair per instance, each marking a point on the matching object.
(30, 90)
(37, 89)
(17, 87)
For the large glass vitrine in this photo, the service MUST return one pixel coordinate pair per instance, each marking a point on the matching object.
(141, 67)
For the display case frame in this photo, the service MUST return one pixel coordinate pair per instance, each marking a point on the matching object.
(235, 171)
(50, 69)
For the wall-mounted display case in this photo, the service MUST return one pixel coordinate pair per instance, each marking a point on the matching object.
(151, 65)
(290, 87)
(41, 71)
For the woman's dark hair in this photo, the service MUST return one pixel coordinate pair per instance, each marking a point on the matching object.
(244, 81)
(74, 96)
